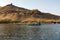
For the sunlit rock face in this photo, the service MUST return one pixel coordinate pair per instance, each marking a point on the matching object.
(11, 12)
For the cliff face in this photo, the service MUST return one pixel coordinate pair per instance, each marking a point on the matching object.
(13, 13)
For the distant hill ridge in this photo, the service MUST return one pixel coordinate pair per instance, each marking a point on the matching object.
(13, 13)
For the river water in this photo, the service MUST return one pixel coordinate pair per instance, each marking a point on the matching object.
(27, 32)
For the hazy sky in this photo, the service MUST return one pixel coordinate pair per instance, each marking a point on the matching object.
(51, 6)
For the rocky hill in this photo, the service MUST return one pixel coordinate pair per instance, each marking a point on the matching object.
(11, 13)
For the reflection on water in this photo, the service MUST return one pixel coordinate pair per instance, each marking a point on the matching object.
(25, 32)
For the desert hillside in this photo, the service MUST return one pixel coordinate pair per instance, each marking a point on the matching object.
(12, 13)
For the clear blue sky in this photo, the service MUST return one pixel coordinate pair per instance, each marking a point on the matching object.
(51, 6)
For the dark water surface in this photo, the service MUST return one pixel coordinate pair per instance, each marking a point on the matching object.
(25, 32)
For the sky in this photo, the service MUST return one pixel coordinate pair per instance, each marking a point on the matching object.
(50, 6)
